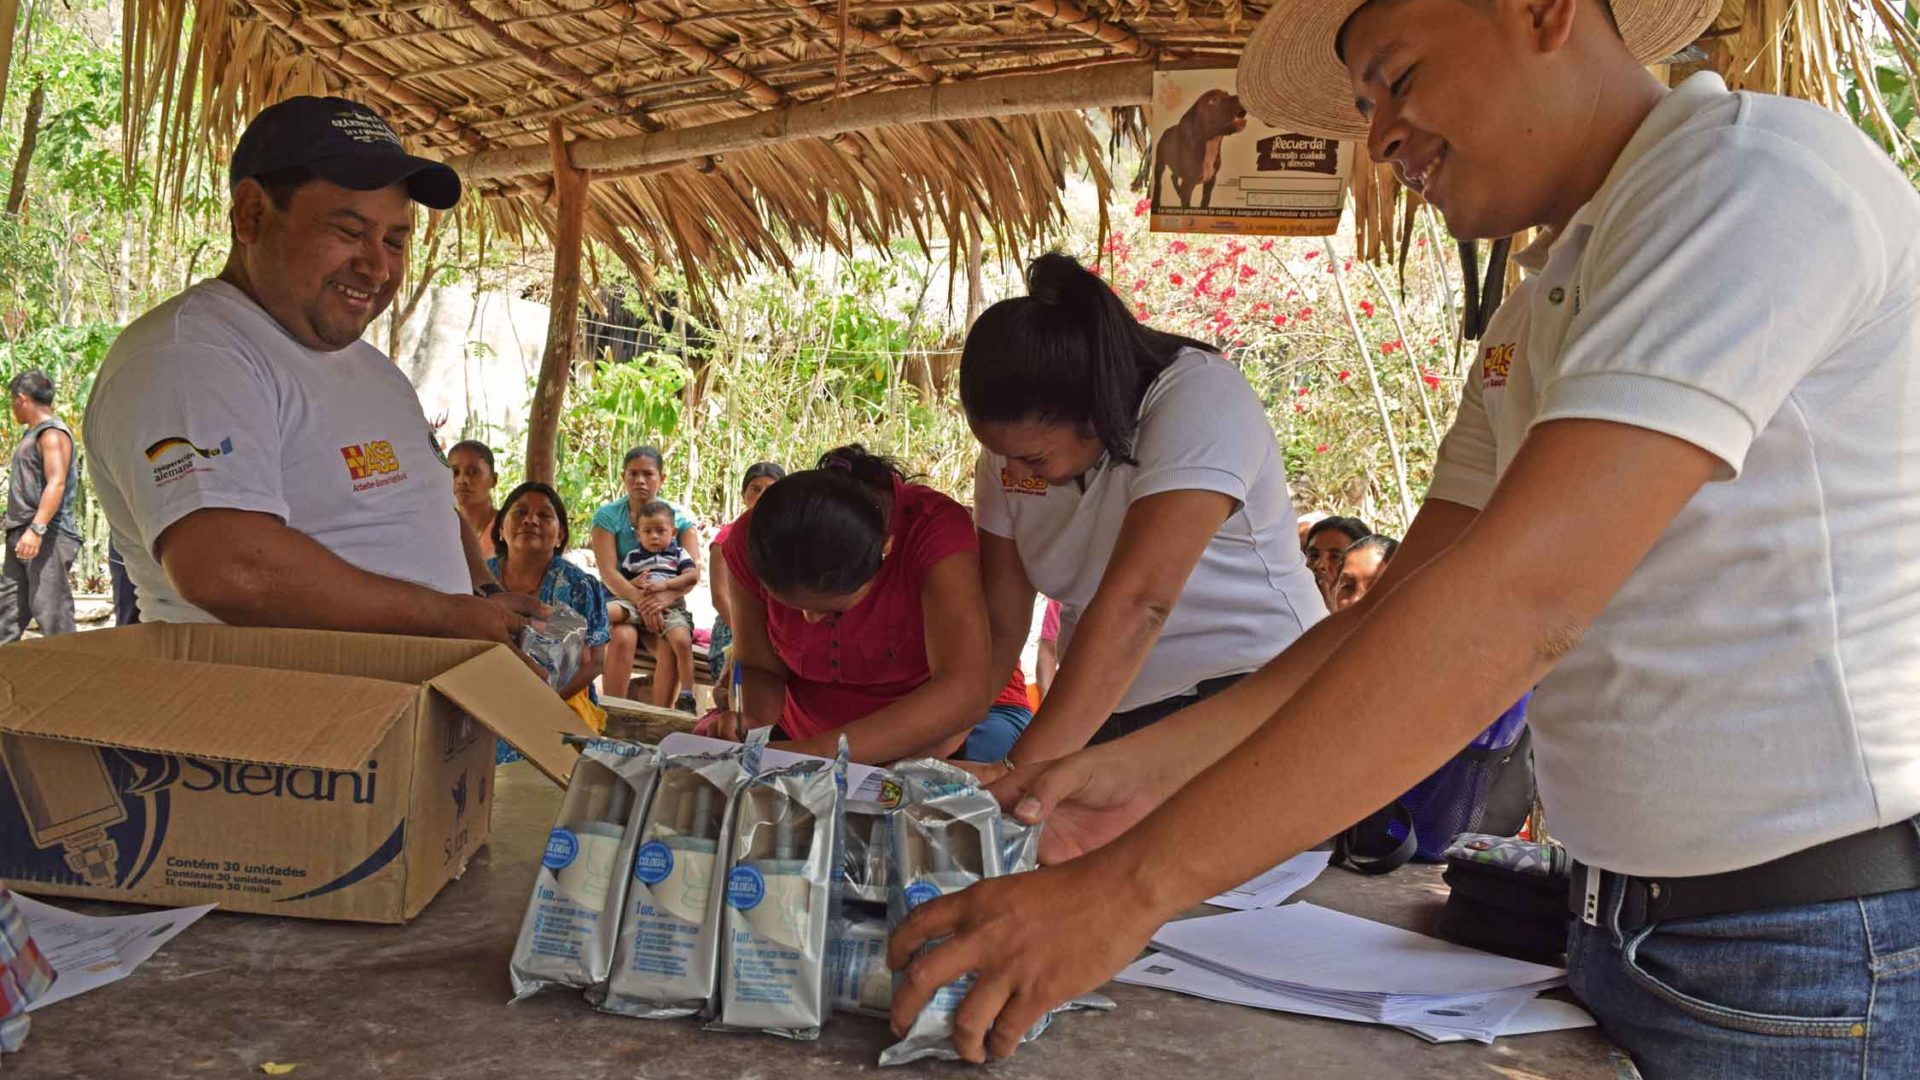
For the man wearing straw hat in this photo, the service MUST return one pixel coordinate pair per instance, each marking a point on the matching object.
(1682, 495)
(259, 463)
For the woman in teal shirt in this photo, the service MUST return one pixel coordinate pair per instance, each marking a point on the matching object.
(613, 536)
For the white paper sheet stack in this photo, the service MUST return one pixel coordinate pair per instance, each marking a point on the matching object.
(1306, 959)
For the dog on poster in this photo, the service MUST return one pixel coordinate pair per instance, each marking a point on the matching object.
(1190, 149)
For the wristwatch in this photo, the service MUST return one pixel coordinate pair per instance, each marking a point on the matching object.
(38, 529)
(489, 589)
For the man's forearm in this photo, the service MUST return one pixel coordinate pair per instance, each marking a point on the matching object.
(1294, 781)
(251, 572)
(50, 499)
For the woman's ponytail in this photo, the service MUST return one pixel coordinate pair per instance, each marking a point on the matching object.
(1067, 352)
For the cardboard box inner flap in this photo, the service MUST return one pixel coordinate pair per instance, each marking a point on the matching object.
(247, 704)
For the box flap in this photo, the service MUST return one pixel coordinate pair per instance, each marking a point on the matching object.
(498, 690)
(200, 709)
(392, 657)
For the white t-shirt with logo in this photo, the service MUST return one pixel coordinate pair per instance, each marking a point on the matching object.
(207, 402)
(1748, 280)
(1202, 428)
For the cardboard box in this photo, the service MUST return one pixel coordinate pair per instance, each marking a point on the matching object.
(285, 772)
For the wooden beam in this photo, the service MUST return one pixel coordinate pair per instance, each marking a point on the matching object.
(904, 59)
(1010, 95)
(705, 59)
(577, 82)
(563, 320)
(362, 74)
(1076, 18)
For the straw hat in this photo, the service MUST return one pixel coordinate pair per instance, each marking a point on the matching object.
(1291, 78)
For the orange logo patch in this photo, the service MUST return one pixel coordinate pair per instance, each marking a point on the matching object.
(370, 459)
(1032, 485)
(1496, 364)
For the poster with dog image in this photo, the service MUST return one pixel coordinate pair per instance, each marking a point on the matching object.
(1214, 168)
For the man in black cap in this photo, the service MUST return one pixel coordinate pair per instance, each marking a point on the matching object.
(260, 463)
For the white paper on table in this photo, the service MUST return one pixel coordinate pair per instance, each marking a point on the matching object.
(1277, 884)
(1311, 946)
(90, 951)
(1537, 1016)
(1481, 1020)
(863, 781)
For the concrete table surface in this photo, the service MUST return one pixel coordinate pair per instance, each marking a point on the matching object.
(429, 1000)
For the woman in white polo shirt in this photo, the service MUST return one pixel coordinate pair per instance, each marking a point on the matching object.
(1132, 475)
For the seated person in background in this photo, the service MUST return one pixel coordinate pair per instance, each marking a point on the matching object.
(661, 567)
(473, 481)
(529, 535)
(859, 612)
(1360, 568)
(642, 474)
(1326, 540)
(759, 477)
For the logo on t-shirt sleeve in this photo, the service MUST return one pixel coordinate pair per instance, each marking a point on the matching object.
(1032, 485)
(188, 463)
(1497, 363)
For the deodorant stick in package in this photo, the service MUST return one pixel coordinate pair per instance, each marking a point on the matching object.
(858, 979)
(572, 923)
(946, 836)
(669, 942)
(866, 861)
(781, 901)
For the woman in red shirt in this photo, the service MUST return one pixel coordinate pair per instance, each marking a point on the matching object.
(858, 611)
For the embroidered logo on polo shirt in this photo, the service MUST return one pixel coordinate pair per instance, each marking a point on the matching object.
(1032, 485)
(372, 464)
(1496, 364)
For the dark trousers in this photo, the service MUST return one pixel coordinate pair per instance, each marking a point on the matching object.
(1122, 724)
(40, 590)
(126, 607)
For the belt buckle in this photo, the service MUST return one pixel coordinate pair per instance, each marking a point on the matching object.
(1590, 899)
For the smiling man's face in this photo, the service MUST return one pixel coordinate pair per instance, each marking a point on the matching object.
(1459, 97)
(329, 262)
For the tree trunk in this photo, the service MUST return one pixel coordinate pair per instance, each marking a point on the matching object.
(9, 18)
(563, 324)
(30, 134)
(976, 282)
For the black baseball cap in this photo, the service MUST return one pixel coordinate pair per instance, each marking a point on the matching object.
(341, 141)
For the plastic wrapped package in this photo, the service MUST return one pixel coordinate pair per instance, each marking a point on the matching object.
(666, 963)
(781, 901)
(571, 927)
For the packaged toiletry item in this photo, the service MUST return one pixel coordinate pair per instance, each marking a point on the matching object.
(858, 979)
(667, 958)
(573, 920)
(945, 836)
(558, 643)
(866, 862)
(780, 901)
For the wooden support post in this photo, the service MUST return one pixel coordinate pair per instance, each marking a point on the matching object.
(556, 364)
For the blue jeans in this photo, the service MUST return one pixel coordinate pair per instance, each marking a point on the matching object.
(992, 739)
(1806, 993)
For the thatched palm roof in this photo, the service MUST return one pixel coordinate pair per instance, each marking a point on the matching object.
(476, 80)
(721, 132)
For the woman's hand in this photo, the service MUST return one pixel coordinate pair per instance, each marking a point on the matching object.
(1031, 940)
(652, 620)
(728, 725)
